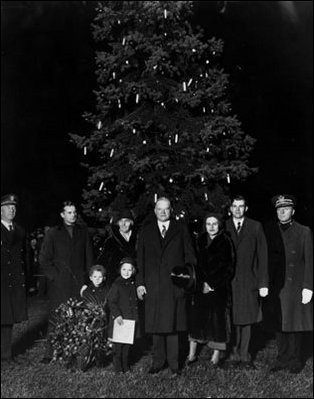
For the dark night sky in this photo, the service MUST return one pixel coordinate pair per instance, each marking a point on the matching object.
(48, 77)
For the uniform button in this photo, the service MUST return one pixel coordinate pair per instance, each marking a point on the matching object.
(9, 274)
(289, 278)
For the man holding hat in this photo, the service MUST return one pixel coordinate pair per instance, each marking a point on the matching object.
(13, 293)
(288, 310)
(163, 243)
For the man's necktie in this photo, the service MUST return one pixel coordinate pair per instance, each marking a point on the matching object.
(163, 231)
(238, 227)
(10, 227)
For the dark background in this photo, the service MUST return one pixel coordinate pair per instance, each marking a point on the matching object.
(48, 77)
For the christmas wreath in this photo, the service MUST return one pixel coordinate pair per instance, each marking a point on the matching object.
(79, 334)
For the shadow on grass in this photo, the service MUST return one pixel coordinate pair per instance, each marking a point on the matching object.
(307, 345)
(35, 328)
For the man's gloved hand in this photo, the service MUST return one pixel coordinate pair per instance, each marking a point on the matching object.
(306, 295)
(263, 292)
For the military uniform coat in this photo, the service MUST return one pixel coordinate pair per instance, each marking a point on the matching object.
(65, 261)
(293, 254)
(165, 303)
(251, 272)
(13, 292)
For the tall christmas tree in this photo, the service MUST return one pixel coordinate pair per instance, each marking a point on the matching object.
(163, 124)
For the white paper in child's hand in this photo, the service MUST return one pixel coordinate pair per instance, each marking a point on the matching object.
(123, 333)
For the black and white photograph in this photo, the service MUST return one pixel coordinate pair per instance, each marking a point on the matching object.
(157, 199)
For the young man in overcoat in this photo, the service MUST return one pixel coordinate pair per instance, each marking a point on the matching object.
(250, 281)
(65, 258)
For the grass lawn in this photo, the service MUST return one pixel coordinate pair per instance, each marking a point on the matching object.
(31, 379)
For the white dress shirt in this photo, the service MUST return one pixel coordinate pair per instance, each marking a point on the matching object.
(160, 224)
(7, 225)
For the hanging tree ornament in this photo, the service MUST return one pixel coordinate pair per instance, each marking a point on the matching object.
(171, 180)
(228, 178)
(137, 98)
(123, 41)
(85, 150)
(184, 86)
(113, 75)
(111, 152)
(134, 130)
(119, 103)
(190, 81)
(204, 110)
(206, 196)
(193, 50)
(101, 186)
(176, 137)
(165, 13)
(155, 197)
(99, 125)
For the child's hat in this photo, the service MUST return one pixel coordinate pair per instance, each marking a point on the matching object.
(127, 260)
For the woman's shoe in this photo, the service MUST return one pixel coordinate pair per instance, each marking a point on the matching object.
(189, 361)
(215, 358)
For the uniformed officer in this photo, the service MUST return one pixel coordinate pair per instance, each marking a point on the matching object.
(288, 309)
(13, 292)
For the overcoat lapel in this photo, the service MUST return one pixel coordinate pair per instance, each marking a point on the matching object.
(233, 232)
(243, 231)
(156, 237)
(237, 238)
(170, 233)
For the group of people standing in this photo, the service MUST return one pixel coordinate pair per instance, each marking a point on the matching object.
(237, 273)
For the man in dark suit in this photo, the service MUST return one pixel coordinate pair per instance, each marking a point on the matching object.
(251, 277)
(163, 244)
(13, 292)
(288, 310)
(65, 257)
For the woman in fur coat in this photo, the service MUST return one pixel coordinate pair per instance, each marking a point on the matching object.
(210, 308)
